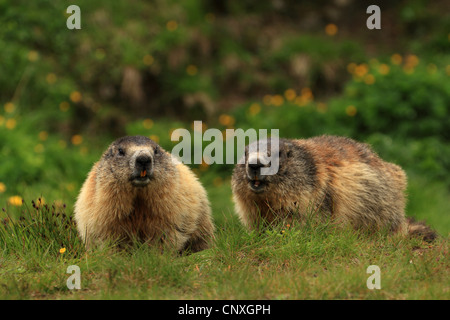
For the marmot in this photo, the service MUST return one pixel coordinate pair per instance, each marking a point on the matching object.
(332, 176)
(138, 192)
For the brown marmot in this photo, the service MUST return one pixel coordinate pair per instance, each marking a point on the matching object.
(138, 192)
(332, 176)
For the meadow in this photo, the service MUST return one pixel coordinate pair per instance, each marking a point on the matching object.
(151, 67)
(316, 261)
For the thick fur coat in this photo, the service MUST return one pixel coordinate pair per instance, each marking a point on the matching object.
(327, 176)
(137, 192)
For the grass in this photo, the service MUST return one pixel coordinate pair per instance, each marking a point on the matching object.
(316, 261)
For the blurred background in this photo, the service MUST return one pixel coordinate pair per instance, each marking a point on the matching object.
(148, 67)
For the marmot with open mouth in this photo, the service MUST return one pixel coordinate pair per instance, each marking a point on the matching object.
(138, 192)
(328, 176)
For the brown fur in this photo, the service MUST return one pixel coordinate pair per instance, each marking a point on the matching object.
(172, 208)
(333, 176)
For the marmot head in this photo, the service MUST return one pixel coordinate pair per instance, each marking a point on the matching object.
(269, 165)
(137, 160)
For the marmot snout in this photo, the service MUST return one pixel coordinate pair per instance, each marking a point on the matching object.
(136, 159)
(261, 167)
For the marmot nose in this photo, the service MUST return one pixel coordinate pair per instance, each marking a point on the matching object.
(143, 161)
(254, 168)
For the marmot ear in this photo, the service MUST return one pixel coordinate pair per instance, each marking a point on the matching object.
(289, 147)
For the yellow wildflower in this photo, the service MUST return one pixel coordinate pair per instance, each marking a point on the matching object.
(64, 106)
(148, 60)
(254, 109)
(351, 67)
(307, 93)
(411, 61)
(77, 139)
(191, 70)
(15, 201)
(267, 99)
(277, 100)
(9, 107)
(33, 55)
(75, 96)
(396, 59)
(331, 29)
(154, 138)
(383, 69)
(11, 124)
(361, 70)
(369, 79)
(351, 111)
(51, 78)
(43, 135)
(172, 25)
(147, 123)
(39, 148)
(226, 120)
(290, 94)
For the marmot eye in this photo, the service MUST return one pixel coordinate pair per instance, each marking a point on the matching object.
(121, 152)
(156, 151)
